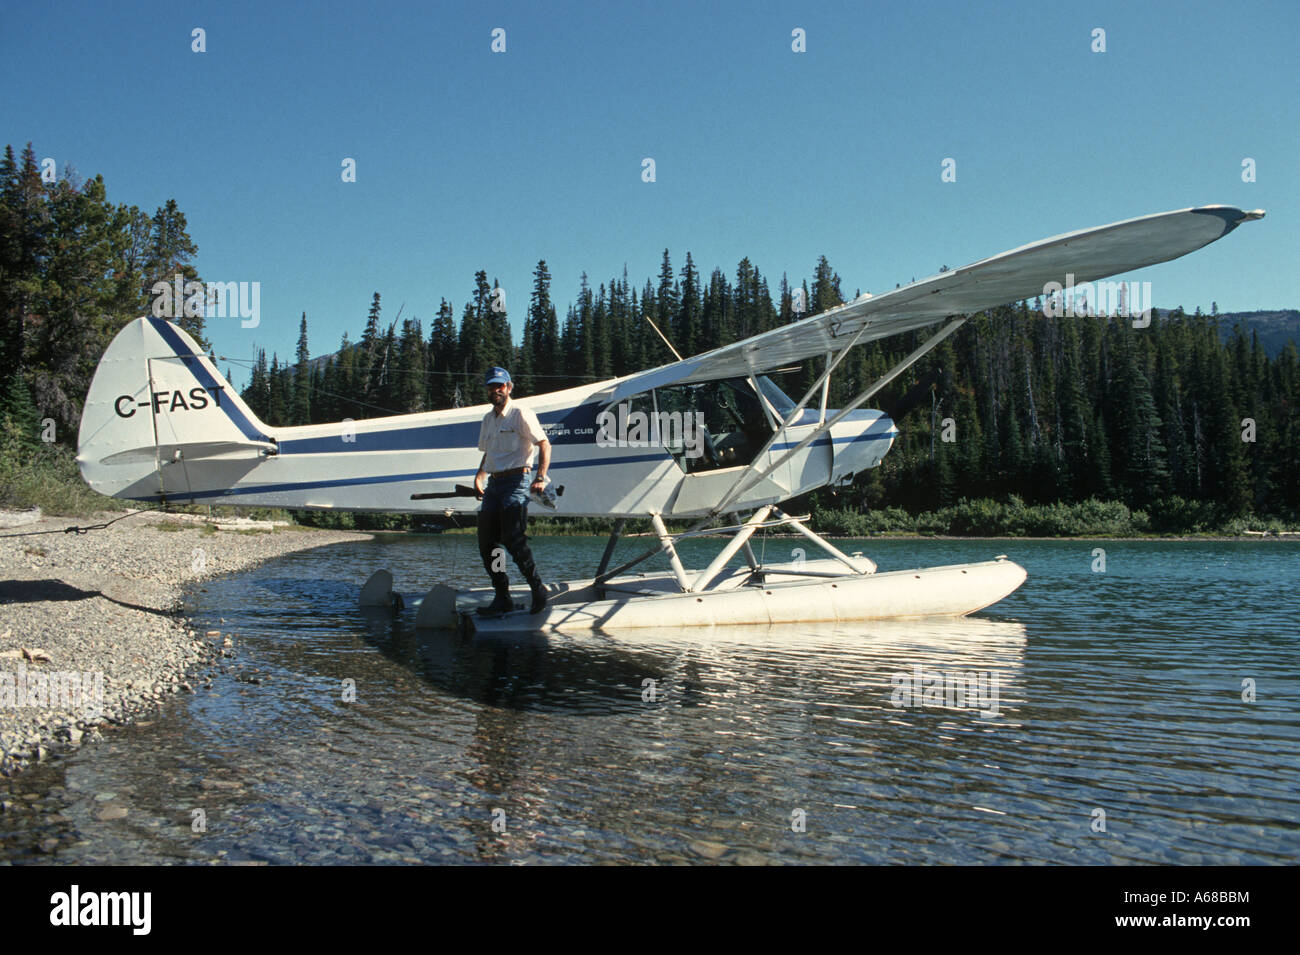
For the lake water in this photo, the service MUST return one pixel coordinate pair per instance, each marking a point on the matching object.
(1147, 713)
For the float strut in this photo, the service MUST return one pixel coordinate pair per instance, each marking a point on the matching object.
(667, 541)
(742, 537)
(609, 552)
(825, 545)
(609, 547)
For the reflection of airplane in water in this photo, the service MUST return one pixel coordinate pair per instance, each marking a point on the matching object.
(762, 698)
(588, 674)
(708, 438)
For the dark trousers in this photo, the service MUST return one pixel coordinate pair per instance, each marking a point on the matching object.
(503, 523)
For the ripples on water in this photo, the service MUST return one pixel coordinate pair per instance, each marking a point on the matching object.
(1118, 691)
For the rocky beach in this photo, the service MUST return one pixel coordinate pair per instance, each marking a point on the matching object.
(91, 631)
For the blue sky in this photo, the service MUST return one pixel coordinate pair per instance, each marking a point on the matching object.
(469, 159)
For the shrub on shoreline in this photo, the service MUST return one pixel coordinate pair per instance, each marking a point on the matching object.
(1013, 518)
(34, 474)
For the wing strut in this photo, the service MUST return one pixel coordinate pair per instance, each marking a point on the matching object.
(752, 475)
(826, 392)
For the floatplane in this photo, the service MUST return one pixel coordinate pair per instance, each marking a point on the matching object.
(708, 439)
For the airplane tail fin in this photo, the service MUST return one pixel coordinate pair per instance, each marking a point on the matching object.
(160, 423)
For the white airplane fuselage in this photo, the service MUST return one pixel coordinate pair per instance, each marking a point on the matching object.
(160, 423)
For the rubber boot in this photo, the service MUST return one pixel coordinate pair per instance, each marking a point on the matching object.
(513, 520)
(523, 556)
(501, 603)
(489, 530)
(539, 596)
(529, 570)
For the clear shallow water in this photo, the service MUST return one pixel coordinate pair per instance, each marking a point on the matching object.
(1118, 691)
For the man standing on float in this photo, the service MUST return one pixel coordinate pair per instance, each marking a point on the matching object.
(507, 437)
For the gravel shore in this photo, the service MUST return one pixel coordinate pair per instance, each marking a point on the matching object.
(90, 627)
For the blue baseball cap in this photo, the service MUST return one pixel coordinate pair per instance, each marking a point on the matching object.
(497, 376)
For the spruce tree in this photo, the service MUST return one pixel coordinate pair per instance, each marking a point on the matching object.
(638, 341)
(585, 364)
(496, 324)
(549, 354)
(471, 356)
(277, 409)
(302, 391)
(1173, 431)
(531, 340)
(384, 376)
(652, 347)
(368, 362)
(24, 239)
(170, 253)
(717, 314)
(686, 329)
(325, 389)
(826, 292)
(442, 357)
(571, 348)
(763, 300)
(19, 414)
(257, 394)
(1073, 416)
(409, 386)
(744, 300)
(601, 344)
(666, 307)
(1229, 478)
(349, 378)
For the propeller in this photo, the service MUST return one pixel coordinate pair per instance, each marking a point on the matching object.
(914, 395)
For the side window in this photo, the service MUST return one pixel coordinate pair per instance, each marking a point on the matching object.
(712, 424)
(676, 426)
(633, 423)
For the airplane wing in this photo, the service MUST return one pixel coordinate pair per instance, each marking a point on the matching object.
(1089, 254)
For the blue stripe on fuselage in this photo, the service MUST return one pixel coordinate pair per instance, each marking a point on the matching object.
(567, 427)
(653, 457)
(442, 436)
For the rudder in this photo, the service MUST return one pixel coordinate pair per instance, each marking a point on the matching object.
(160, 422)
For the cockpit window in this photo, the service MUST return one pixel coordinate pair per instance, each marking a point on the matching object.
(724, 422)
(704, 426)
(778, 398)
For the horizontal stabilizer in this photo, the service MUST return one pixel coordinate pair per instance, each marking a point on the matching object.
(191, 452)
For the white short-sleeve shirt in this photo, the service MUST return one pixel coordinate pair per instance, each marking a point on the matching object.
(507, 440)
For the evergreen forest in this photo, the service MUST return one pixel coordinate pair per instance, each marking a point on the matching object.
(1016, 424)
